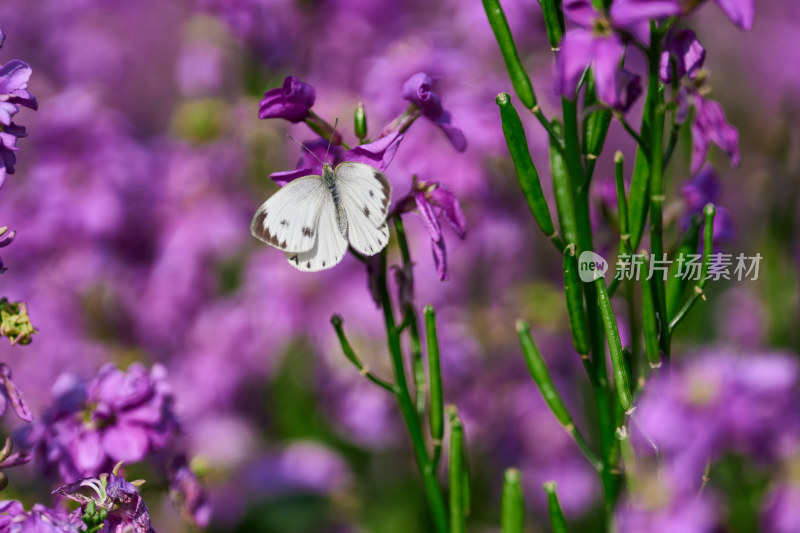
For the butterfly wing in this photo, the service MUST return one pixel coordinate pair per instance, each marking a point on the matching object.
(288, 219)
(365, 195)
(329, 246)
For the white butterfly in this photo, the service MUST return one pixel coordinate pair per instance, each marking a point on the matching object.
(312, 218)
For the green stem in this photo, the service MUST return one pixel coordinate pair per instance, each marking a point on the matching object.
(412, 321)
(708, 249)
(336, 320)
(541, 376)
(512, 505)
(407, 408)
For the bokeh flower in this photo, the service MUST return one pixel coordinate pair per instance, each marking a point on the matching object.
(418, 89)
(292, 101)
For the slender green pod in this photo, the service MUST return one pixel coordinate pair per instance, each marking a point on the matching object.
(541, 376)
(436, 417)
(557, 521)
(621, 382)
(562, 189)
(512, 506)
(708, 251)
(677, 284)
(649, 320)
(337, 322)
(573, 292)
(622, 203)
(552, 23)
(526, 171)
(516, 72)
(456, 471)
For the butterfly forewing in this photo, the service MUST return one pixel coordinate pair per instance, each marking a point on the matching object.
(289, 219)
(329, 246)
(365, 194)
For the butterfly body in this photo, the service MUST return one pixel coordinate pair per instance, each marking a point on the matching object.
(312, 218)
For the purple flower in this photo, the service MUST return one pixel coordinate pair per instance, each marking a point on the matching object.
(10, 394)
(187, 493)
(434, 201)
(418, 89)
(14, 77)
(40, 519)
(8, 145)
(118, 416)
(10, 460)
(599, 43)
(377, 154)
(126, 510)
(711, 126)
(688, 53)
(292, 101)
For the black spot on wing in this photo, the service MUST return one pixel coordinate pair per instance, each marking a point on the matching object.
(284, 222)
(323, 263)
(261, 231)
(308, 232)
(308, 264)
(371, 194)
(366, 211)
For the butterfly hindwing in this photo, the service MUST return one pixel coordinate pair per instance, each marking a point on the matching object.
(288, 219)
(329, 246)
(365, 194)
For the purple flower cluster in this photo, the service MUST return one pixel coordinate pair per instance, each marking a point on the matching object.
(117, 416)
(727, 403)
(14, 77)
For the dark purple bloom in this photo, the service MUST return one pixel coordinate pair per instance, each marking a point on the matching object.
(14, 77)
(126, 510)
(377, 154)
(8, 145)
(418, 89)
(701, 189)
(10, 394)
(118, 416)
(711, 126)
(188, 494)
(434, 201)
(292, 101)
(687, 52)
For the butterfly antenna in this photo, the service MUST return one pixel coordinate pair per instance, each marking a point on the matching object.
(307, 149)
(333, 134)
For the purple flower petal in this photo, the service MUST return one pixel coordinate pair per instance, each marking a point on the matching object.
(741, 12)
(577, 49)
(710, 125)
(701, 189)
(580, 12)
(688, 52)
(630, 13)
(14, 77)
(124, 442)
(428, 216)
(419, 90)
(284, 177)
(451, 209)
(454, 133)
(377, 154)
(607, 55)
(440, 259)
(629, 89)
(13, 394)
(292, 101)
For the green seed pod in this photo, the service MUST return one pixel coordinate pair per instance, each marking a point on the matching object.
(519, 78)
(512, 506)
